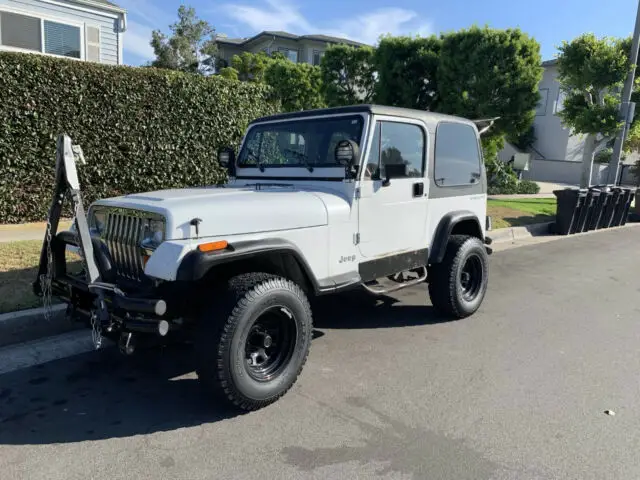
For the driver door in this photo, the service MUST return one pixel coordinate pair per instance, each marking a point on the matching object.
(392, 215)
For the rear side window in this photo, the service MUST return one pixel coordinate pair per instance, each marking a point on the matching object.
(457, 156)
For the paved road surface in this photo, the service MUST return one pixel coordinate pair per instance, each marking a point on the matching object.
(390, 391)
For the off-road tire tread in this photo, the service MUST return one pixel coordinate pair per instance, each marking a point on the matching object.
(216, 330)
(443, 281)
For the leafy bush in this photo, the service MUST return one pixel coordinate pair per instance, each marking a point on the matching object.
(527, 187)
(140, 128)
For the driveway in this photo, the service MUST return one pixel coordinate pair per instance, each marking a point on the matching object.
(390, 390)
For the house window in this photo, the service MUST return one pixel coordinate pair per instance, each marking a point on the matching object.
(457, 155)
(23, 32)
(317, 57)
(541, 108)
(61, 39)
(560, 101)
(20, 31)
(289, 53)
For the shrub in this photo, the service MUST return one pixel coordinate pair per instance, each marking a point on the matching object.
(527, 187)
(140, 128)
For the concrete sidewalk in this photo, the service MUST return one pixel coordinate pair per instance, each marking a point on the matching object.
(28, 231)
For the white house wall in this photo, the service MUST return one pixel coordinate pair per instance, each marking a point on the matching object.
(58, 10)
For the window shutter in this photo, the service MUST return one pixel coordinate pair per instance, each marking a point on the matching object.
(92, 41)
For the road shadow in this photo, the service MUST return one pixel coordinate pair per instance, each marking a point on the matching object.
(102, 395)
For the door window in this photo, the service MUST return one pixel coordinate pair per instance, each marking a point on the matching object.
(399, 144)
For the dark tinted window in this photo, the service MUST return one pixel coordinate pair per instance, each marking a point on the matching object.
(457, 157)
(20, 31)
(396, 143)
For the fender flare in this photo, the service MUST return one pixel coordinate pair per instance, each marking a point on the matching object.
(197, 264)
(444, 229)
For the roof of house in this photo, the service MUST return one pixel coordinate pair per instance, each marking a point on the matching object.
(289, 36)
(549, 63)
(104, 4)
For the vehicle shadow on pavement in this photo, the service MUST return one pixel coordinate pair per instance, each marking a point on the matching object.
(360, 309)
(103, 394)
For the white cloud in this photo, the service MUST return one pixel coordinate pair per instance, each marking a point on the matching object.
(283, 15)
(136, 41)
(277, 15)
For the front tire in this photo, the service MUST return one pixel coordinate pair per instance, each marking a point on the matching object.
(458, 284)
(252, 344)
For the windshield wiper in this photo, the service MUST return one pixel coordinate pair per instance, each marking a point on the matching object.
(259, 163)
(300, 156)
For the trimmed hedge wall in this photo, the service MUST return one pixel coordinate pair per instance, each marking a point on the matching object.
(140, 129)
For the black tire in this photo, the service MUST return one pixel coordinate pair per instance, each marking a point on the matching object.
(255, 306)
(465, 259)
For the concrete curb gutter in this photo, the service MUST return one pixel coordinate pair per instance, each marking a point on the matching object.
(26, 325)
(30, 354)
(512, 234)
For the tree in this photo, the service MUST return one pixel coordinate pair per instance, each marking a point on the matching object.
(406, 69)
(297, 85)
(591, 72)
(348, 75)
(250, 67)
(190, 47)
(486, 73)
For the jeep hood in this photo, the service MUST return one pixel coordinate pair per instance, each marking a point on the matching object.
(227, 211)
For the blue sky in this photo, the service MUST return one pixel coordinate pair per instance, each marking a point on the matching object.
(549, 21)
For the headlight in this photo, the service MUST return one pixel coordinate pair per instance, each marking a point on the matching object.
(97, 220)
(153, 234)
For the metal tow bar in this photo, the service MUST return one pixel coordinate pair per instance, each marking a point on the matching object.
(68, 185)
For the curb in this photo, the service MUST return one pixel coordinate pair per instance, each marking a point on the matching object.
(26, 325)
(511, 234)
(29, 354)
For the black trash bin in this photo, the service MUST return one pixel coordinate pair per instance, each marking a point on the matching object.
(569, 205)
(597, 197)
(627, 206)
(621, 206)
(606, 197)
(585, 212)
(607, 216)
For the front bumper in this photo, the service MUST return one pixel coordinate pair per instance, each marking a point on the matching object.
(131, 306)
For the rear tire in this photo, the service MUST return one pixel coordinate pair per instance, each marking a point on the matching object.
(251, 345)
(458, 284)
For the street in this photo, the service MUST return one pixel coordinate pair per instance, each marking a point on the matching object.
(517, 391)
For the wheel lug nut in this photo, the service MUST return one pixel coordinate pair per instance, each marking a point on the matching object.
(268, 341)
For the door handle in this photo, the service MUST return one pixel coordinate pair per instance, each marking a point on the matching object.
(418, 189)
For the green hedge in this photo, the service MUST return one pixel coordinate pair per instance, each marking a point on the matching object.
(140, 128)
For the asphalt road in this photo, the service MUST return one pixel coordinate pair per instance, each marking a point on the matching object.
(390, 391)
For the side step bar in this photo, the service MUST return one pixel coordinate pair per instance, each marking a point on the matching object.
(410, 283)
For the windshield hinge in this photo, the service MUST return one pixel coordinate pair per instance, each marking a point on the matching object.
(357, 194)
(356, 238)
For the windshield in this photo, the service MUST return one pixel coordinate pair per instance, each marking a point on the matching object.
(299, 143)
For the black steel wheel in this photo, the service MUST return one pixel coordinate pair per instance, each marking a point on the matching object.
(252, 343)
(458, 284)
(270, 343)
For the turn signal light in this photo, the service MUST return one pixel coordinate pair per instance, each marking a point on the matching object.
(213, 246)
(145, 259)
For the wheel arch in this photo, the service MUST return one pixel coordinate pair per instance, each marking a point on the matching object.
(461, 222)
(274, 256)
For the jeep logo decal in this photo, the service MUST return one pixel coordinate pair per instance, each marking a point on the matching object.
(350, 258)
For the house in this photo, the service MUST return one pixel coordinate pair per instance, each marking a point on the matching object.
(89, 30)
(297, 48)
(556, 154)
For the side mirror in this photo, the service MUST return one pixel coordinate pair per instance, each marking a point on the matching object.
(227, 159)
(393, 170)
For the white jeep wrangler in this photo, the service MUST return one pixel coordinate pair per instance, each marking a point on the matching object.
(318, 202)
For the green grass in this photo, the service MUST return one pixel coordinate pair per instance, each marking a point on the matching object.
(18, 269)
(521, 211)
